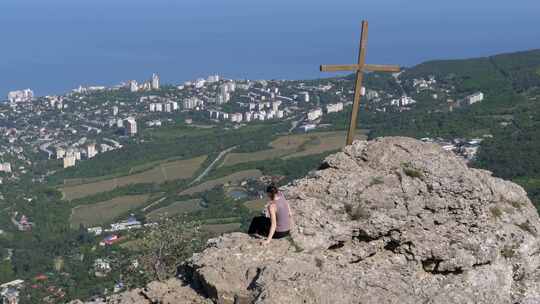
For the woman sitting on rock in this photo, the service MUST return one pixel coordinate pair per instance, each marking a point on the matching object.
(275, 224)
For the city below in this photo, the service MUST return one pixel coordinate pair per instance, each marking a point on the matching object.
(56, 133)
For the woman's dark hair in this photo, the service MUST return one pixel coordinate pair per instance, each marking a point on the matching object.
(272, 190)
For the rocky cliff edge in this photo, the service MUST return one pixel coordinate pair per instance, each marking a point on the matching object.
(393, 220)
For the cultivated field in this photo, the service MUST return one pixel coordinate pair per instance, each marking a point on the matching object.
(291, 146)
(324, 143)
(104, 212)
(235, 177)
(256, 205)
(175, 208)
(167, 171)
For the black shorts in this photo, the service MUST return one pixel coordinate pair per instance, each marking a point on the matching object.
(261, 225)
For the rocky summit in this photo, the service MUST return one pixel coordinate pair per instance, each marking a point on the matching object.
(393, 220)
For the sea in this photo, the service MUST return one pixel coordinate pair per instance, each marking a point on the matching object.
(53, 46)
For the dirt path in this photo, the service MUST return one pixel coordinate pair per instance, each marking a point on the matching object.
(207, 170)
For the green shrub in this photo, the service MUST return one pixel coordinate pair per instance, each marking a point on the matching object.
(496, 212)
(376, 181)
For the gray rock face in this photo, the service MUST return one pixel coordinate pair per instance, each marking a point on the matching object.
(392, 220)
(172, 291)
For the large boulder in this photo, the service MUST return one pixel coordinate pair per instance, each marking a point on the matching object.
(393, 220)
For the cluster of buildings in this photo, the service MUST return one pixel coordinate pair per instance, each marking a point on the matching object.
(88, 89)
(225, 92)
(317, 113)
(403, 101)
(152, 84)
(465, 101)
(256, 111)
(441, 89)
(26, 95)
(40, 127)
(192, 103)
(129, 224)
(71, 155)
(424, 84)
(372, 95)
(334, 107)
(466, 148)
(200, 82)
(102, 267)
(128, 126)
(168, 106)
(115, 116)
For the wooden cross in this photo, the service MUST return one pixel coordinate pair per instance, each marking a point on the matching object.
(359, 68)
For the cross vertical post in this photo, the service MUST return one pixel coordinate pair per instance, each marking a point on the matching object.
(358, 83)
(359, 69)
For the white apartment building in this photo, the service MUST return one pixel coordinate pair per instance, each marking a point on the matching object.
(236, 117)
(131, 126)
(168, 107)
(314, 114)
(191, 103)
(20, 96)
(5, 167)
(133, 86)
(155, 81)
(305, 96)
(91, 151)
(60, 152)
(69, 160)
(275, 105)
(334, 108)
(199, 83)
(402, 101)
(474, 98)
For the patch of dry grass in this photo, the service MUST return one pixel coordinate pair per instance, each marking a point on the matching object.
(255, 205)
(175, 209)
(167, 171)
(291, 146)
(104, 212)
(235, 177)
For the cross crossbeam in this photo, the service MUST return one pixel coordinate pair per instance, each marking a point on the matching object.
(359, 68)
(356, 67)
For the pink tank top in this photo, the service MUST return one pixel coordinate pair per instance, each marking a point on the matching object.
(282, 214)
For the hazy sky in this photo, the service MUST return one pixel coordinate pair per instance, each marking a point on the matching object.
(54, 45)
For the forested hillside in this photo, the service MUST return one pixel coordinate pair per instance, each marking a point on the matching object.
(510, 112)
